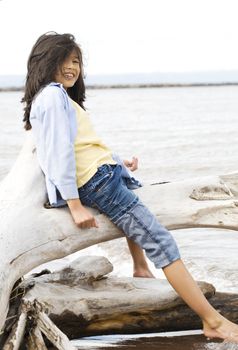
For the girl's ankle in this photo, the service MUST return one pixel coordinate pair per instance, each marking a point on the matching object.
(212, 323)
(143, 272)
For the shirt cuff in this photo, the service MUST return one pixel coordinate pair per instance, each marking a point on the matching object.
(69, 191)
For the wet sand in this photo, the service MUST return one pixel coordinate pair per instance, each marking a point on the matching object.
(187, 340)
(197, 342)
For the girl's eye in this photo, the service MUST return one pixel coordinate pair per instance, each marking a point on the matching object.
(77, 62)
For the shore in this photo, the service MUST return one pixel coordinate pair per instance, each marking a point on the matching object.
(187, 340)
(135, 86)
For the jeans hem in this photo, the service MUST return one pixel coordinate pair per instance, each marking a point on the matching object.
(166, 263)
(167, 255)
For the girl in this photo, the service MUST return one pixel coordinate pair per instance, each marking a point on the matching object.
(81, 172)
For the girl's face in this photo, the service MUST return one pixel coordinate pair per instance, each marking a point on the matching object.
(68, 73)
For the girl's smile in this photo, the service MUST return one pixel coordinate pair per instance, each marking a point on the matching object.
(68, 73)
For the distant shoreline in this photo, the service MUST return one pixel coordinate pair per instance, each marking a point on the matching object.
(135, 86)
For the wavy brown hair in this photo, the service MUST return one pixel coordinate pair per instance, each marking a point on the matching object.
(48, 53)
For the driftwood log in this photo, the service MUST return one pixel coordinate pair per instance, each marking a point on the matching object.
(81, 300)
(32, 235)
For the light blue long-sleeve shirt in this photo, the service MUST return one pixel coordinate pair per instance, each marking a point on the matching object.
(54, 126)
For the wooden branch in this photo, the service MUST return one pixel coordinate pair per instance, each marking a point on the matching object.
(34, 311)
(35, 340)
(14, 340)
(53, 333)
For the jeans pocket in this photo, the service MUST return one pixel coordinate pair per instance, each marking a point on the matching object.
(103, 182)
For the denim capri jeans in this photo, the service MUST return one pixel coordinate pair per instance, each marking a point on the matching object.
(107, 192)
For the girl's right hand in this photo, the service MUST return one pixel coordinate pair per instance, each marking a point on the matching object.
(131, 165)
(81, 216)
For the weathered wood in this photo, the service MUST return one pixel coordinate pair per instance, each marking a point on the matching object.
(31, 235)
(53, 333)
(80, 271)
(113, 305)
(95, 304)
(35, 340)
(99, 305)
(31, 322)
(14, 340)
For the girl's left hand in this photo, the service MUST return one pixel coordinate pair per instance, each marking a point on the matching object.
(131, 165)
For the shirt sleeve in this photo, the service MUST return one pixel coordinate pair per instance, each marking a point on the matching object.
(58, 148)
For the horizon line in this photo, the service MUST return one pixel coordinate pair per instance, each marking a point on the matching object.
(151, 72)
(128, 86)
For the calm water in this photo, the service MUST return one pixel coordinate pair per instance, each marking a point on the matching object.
(177, 133)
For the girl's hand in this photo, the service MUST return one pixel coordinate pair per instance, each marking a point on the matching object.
(131, 165)
(82, 216)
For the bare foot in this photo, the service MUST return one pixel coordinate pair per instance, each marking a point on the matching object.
(143, 272)
(224, 329)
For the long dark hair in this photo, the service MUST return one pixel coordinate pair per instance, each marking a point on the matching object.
(48, 53)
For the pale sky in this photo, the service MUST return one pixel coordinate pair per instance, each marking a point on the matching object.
(126, 36)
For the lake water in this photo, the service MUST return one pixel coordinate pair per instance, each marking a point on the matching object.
(177, 133)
